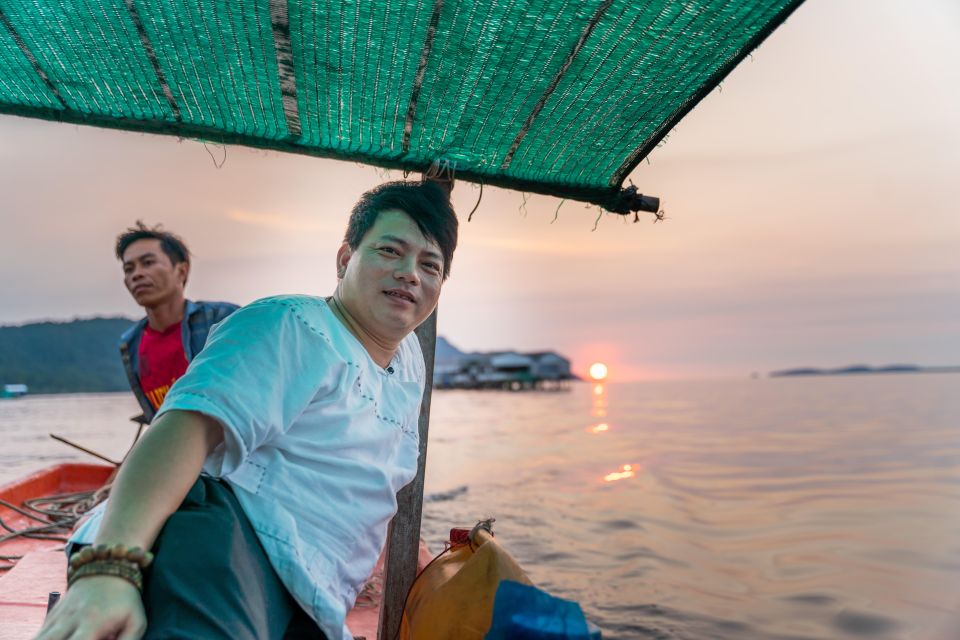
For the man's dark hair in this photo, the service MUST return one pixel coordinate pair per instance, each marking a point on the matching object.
(427, 203)
(171, 244)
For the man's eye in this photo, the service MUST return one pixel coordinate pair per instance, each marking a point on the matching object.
(390, 250)
(433, 267)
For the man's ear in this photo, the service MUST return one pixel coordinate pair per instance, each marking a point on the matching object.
(343, 257)
(183, 271)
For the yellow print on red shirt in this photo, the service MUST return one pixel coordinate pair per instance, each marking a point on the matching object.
(156, 396)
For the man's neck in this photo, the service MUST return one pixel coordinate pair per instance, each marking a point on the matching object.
(162, 316)
(381, 349)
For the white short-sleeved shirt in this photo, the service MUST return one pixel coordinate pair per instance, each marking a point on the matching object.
(318, 439)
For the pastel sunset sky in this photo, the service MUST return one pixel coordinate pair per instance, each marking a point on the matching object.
(812, 218)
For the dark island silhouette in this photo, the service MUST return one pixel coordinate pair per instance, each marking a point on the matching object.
(861, 369)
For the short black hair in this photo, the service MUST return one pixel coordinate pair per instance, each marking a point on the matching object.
(426, 202)
(172, 244)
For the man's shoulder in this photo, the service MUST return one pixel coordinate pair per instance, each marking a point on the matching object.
(310, 312)
(216, 304)
(411, 343)
(411, 355)
(294, 302)
(211, 308)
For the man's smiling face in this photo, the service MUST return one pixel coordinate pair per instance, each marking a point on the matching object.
(391, 281)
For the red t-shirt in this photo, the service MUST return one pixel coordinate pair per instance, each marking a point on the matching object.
(162, 361)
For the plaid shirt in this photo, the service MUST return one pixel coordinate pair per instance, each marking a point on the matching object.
(198, 319)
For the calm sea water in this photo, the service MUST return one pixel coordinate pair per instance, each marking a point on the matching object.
(788, 509)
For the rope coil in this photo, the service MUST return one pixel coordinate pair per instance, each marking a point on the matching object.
(57, 515)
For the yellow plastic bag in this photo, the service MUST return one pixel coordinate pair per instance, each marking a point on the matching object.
(452, 598)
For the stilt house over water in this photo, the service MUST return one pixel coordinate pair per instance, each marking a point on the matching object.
(503, 370)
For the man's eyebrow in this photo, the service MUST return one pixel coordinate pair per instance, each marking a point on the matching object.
(406, 245)
(149, 254)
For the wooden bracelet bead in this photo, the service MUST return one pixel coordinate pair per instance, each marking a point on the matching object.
(114, 553)
(81, 558)
(137, 555)
(86, 555)
(120, 569)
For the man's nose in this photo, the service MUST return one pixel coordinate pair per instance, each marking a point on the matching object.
(407, 271)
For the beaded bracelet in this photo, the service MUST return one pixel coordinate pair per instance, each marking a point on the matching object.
(117, 552)
(119, 568)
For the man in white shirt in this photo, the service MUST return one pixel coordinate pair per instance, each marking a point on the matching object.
(302, 414)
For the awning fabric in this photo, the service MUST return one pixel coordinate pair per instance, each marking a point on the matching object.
(563, 97)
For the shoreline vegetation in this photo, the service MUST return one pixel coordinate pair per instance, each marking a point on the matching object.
(73, 356)
(81, 356)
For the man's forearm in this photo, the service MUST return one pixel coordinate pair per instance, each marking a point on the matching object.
(156, 476)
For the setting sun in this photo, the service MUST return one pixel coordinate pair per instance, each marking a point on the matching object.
(598, 371)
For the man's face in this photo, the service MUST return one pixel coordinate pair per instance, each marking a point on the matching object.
(391, 281)
(150, 276)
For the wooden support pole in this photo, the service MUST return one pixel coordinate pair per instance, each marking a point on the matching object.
(403, 537)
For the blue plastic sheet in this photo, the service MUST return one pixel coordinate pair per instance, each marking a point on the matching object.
(522, 612)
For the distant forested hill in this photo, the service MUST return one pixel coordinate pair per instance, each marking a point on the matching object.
(64, 357)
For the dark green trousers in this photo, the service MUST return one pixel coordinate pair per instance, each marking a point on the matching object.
(211, 579)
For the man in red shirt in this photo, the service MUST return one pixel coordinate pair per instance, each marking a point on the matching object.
(157, 349)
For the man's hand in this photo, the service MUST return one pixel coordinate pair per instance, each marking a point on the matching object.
(152, 482)
(96, 608)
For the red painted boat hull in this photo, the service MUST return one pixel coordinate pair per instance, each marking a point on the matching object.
(24, 590)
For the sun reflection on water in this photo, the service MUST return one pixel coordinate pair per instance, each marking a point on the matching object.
(626, 471)
(599, 407)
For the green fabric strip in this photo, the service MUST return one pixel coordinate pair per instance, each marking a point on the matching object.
(558, 96)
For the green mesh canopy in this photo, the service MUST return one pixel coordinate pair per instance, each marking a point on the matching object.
(549, 96)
